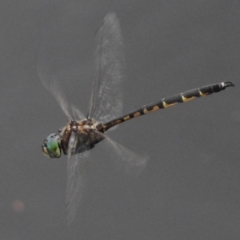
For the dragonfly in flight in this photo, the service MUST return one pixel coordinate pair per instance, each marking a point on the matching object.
(83, 133)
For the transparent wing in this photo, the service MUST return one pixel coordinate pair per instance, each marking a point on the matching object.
(106, 98)
(76, 176)
(51, 83)
(126, 159)
(77, 169)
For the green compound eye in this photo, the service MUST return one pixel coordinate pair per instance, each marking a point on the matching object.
(51, 146)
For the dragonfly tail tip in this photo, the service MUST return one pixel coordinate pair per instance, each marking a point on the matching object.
(228, 84)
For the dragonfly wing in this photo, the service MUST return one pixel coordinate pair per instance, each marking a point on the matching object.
(51, 83)
(129, 160)
(76, 177)
(106, 98)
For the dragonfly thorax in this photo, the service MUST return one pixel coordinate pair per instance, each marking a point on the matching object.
(74, 138)
(80, 136)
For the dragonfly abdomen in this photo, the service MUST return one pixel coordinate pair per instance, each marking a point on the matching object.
(170, 101)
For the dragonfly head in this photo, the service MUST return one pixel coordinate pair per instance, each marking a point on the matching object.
(51, 146)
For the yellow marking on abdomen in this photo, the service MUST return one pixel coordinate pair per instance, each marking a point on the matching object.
(126, 118)
(202, 94)
(136, 114)
(165, 105)
(118, 121)
(145, 110)
(155, 108)
(187, 99)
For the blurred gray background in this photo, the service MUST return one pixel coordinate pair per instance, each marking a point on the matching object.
(190, 188)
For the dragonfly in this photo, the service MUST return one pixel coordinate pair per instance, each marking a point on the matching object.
(81, 133)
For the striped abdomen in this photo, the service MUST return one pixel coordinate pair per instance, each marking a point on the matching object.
(168, 102)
